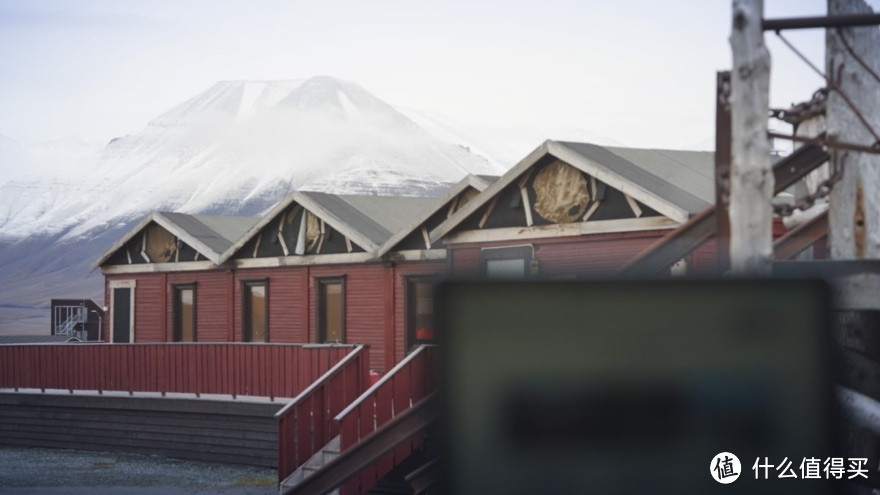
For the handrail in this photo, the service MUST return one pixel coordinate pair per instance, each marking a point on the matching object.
(236, 369)
(394, 394)
(320, 381)
(372, 448)
(379, 383)
(305, 424)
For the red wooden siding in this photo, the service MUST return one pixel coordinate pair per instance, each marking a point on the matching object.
(703, 260)
(149, 314)
(588, 255)
(464, 259)
(237, 369)
(287, 302)
(211, 294)
(153, 305)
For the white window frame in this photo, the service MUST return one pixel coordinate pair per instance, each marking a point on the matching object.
(122, 284)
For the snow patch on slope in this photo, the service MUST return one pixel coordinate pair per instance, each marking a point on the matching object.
(241, 145)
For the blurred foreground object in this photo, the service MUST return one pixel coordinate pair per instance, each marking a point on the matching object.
(633, 387)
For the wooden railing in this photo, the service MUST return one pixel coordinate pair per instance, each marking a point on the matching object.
(305, 425)
(266, 370)
(406, 384)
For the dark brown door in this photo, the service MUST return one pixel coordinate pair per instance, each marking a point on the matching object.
(122, 315)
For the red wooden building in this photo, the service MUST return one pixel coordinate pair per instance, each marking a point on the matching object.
(324, 268)
(572, 210)
(318, 268)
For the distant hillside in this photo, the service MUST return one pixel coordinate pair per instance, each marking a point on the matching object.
(236, 148)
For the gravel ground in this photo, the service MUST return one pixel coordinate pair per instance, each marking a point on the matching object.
(26, 471)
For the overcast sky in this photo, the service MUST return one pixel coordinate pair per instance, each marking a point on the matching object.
(639, 71)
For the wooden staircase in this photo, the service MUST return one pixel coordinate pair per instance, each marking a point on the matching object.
(351, 449)
(311, 466)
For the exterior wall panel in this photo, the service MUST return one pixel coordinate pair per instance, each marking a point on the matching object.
(149, 314)
(364, 305)
(287, 302)
(581, 256)
(464, 259)
(212, 323)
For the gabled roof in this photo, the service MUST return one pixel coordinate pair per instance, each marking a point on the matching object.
(691, 171)
(369, 221)
(211, 236)
(478, 182)
(677, 184)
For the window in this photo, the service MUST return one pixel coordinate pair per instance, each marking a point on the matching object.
(419, 311)
(184, 313)
(331, 310)
(507, 262)
(256, 311)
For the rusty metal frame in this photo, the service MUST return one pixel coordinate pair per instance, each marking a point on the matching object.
(702, 227)
(820, 22)
(796, 166)
(801, 237)
(826, 142)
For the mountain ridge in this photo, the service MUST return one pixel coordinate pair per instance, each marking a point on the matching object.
(235, 149)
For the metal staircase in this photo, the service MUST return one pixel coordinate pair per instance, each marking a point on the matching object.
(70, 317)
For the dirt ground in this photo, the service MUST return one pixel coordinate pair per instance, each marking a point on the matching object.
(26, 471)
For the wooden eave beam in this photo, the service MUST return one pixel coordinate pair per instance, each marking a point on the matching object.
(524, 234)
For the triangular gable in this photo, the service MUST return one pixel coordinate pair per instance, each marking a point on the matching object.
(604, 173)
(357, 223)
(295, 230)
(415, 236)
(163, 237)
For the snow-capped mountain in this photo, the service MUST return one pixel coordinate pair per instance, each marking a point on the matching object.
(236, 148)
(12, 158)
(239, 147)
(49, 159)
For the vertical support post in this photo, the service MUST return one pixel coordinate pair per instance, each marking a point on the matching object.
(751, 185)
(390, 330)
(854, 210)
(854, 216)
(722, 171)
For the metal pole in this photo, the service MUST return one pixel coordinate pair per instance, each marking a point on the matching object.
(722, 170)
(751, 177)
(821, 22)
